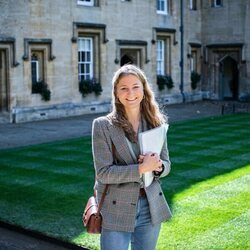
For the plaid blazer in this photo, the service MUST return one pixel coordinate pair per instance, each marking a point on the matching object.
(122, 175)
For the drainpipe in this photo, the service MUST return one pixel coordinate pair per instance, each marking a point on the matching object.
(182, 52)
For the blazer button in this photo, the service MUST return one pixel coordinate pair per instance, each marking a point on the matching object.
(114, 202)
(160, 193)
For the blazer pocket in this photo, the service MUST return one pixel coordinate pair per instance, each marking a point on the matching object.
(118, 207)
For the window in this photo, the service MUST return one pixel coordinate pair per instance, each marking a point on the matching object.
(163, 53)
(37, 68)
(37, 52)
(216, 3)
(85, 58)
(164, 40)
(195, 57)
(86, 2)
(163, 7)
(193, 61)
(193, 4)
(160, 57)
(89, 38)
(34, 69)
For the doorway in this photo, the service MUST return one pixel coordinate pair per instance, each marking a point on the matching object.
(229, 79)
(130, 56)
(4, 88)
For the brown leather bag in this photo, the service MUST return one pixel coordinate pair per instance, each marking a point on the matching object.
(92, 218)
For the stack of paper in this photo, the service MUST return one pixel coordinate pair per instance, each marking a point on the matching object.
(152, 141)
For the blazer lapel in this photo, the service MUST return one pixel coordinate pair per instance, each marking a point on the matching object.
(118, 137)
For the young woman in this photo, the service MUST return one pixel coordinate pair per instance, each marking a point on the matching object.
(132, 213)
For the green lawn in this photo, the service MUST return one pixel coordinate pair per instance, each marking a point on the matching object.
(45, 187)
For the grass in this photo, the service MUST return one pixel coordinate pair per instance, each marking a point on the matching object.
(45, 187)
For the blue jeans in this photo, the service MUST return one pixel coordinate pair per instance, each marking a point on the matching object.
(144, 236)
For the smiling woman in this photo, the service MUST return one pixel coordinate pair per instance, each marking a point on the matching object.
(132, 213)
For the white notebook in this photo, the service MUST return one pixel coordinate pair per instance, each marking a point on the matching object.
(152, 141)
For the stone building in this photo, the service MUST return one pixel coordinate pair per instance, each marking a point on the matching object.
(64, 45)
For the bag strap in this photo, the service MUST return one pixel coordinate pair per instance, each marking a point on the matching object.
(106, 186)
(102, 199)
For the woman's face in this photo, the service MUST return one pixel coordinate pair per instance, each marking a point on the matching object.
(130, 92)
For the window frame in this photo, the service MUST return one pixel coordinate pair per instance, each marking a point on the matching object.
(195, 58)
(216, 5)
(166, 37)
(160, 61)
(39, 52)
(37, 76)
(193, 4)
(82, 76)
(165, 11)
(85, 3)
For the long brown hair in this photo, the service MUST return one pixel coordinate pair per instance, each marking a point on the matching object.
(149, 108)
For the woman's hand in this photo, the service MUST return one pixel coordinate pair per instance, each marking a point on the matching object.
(149, 162)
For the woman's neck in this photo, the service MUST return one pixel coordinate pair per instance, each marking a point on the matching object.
(134, 117)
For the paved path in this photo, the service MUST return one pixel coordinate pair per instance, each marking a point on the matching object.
(12, 239)
(22, 134)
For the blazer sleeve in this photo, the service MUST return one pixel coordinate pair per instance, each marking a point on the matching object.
(107, 172)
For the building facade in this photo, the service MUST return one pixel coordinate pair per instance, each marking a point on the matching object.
(57, 58)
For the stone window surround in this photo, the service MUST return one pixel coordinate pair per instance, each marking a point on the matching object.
(169, 35)
(29, 42)
(195, 47)
(10, 43)
(43, 45)
(94, 28)
(133, 44)
(96, 31)
(164, 32)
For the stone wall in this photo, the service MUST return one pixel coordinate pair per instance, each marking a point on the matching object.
(134, 20)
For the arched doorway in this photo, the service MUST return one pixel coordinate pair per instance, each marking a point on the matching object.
(228, 89)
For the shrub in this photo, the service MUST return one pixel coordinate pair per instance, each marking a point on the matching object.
(41, 88)
(195, 78)
(88, 86)
(164, 80)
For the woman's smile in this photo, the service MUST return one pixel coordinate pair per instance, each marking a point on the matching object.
(131, 100)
